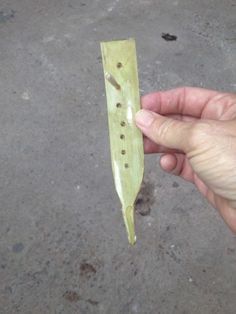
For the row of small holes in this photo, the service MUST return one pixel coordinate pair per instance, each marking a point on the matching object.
(122, 136)
(123, 152)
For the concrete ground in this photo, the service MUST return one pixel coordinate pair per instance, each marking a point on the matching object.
(63, 246)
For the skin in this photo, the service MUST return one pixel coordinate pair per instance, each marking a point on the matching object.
(195, 130)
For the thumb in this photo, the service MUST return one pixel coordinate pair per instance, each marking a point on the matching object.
(164, 131)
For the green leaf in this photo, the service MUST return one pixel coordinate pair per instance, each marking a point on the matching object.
(126, 141)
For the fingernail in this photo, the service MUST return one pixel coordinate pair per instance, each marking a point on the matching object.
(144, 118)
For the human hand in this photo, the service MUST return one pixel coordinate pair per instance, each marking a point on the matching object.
(195, 129)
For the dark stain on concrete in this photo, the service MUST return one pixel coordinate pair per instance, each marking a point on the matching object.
(99, 58)
(173, 256)
(71, 296)
(92, 302)
(18, 247)
(230, 251)
(168, 37)
(87, 269)
(179, 210)
(145, 199)
(175, 184)
(8, 289)
(6, 15)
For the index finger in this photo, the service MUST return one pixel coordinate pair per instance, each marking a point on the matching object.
(184, 100)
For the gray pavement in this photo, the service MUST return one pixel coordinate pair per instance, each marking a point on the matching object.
(63, 246)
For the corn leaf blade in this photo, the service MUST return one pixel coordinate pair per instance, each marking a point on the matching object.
(126, 141)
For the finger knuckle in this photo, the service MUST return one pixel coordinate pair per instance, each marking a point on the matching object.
(163, 129)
